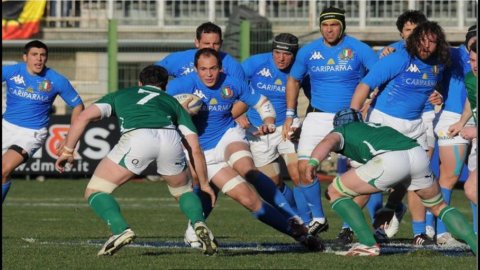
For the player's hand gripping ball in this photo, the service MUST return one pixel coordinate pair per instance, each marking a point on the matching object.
(194, 103)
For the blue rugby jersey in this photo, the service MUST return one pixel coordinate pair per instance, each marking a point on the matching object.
(179, 64)
(453, 84)
(334, 71)
(400, 46)
(265, 78)
(215, 117)
(30, 97)
(407, 81)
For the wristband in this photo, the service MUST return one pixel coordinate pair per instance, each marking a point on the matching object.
(290, 113)
(67, 154)
(68, 149)
(314, 162)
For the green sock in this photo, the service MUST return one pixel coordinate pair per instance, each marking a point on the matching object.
(191, 206)
(107, 208)
(458, 225)
(351, 213)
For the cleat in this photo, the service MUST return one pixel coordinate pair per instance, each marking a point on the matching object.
(430, 232)
(316, 226)
(190, 239)
(297, 228)
(344, 238)
(381, 236)
(447, 240)
(422, 240)
(361, 250)
(116, 242)
(312, 243)
(205, 236)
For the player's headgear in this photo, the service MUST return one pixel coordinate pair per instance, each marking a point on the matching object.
(472, 32)
(333, 13)
(346, 116)
(285, 42)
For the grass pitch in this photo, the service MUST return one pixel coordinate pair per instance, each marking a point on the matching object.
(47, 225)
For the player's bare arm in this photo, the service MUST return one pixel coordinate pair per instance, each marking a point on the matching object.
(291, 92)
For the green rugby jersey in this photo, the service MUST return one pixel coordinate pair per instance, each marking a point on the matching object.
(146, 107)
(471, 85)
(363, 141)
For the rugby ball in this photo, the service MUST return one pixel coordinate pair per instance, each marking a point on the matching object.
(194, 105)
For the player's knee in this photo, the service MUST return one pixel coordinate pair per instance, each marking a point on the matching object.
(179, 191)
(338, 189)
(98, 184)
(434, 203)
(250, 201)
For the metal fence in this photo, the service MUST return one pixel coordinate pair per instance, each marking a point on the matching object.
(190, 13)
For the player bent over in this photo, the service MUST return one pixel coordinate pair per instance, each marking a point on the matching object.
(388, 158)
(150, 121)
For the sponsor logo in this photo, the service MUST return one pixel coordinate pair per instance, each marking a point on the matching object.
(316, 56)
(30, 90)
(425, 76)
(213, 101)
(199, 94)
(227, 92)
(18, 79)
(413, 68)
(265, 72)
(278, 82)
(186, 70)
(271, 87)
(331, 68)
(331, 62)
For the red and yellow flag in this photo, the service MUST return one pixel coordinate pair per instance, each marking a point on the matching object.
(21, 19)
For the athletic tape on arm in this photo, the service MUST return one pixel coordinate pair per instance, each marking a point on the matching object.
(265, 108)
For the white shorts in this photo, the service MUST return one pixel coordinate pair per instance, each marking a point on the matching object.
(315, 127)
(215, 157)
(428, 118)
(136, 149)
(472, 158)
(414, 129)
(267, 148)
(388, 169)
(442, 123)
(28, 139)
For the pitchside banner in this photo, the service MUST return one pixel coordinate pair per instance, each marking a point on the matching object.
(97, 141)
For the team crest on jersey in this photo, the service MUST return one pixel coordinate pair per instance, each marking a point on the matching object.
(425, 76)
(227, 92)
(435, 70)
(278, 82)
(213, 101)
(45, 86)
(331, 62)
(346, 54)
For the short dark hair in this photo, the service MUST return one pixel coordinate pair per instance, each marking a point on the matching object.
(413, 16)
(208, 27)
(208, 52)
(473, 47)
(34, 44)
(442, 52)
(154, 75)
